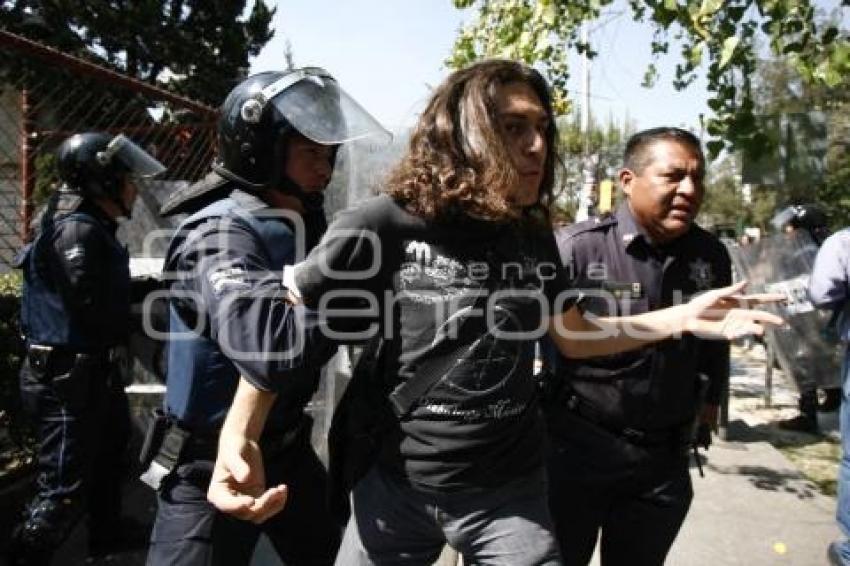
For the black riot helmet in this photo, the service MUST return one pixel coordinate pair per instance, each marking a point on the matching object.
(95, 165)
(808, 217)
(258, 116)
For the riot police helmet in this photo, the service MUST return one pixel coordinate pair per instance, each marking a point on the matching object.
(262, 111)
(809, 217)
(96, 164)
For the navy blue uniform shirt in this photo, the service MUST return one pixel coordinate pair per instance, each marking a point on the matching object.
(76, 279)
(229, 315)
(613, 261)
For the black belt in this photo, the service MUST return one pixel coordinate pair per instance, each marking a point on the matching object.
(673, 436)
(44, 357)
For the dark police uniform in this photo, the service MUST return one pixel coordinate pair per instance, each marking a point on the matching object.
(75, 310)
(225, 262)
(620, 425)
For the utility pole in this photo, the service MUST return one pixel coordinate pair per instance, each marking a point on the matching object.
(588, 161)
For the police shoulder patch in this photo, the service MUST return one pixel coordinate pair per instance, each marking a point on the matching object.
(701, 274)
(75, 253)
(594, 224)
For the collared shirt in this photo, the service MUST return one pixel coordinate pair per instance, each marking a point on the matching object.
(622, 272)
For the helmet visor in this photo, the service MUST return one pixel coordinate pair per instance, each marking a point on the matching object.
(315, 105)
(782, 218)
(138, 162)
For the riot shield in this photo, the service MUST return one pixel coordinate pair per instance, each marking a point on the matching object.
(362, 166)
(782, 263)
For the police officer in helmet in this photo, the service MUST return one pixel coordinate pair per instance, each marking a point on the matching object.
(75, 312)
(260, 208)
(809, 219)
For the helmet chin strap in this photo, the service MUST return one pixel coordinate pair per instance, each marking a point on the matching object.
(313, 200)
(310, 200)
(125, 212)
(122, 206)
(109, 193)
(231, 176)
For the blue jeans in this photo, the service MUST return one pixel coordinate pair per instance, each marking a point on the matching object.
(843, 512)
(394, 523)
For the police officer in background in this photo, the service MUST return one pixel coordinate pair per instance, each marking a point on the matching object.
(620, 426)
(809, 219)
(259, 209)
(75, 312)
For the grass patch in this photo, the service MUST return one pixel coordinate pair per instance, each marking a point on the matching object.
(818, 461)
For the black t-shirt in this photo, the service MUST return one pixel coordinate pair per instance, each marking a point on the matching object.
(466, 296)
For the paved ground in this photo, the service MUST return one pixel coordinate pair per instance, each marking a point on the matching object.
(753, 508)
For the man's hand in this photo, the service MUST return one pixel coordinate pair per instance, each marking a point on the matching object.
(238, 485)
(726, 314)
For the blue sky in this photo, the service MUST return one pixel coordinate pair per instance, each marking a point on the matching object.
(386, 53)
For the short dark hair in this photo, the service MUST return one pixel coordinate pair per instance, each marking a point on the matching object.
(458, 159)
(636, 156)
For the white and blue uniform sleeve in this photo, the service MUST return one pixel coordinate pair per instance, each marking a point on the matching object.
(828, 285)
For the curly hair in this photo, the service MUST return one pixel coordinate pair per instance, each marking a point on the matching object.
(458, 159)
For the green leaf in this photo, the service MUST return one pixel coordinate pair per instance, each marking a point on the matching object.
(543, 45)
(550, 13)
(833, 78)
(794, 46)
(671, 5)
(650, 76)
(729, 46)
(735, 13)
(829, 35)
(709, 7)
(695, 54)
(714, 148)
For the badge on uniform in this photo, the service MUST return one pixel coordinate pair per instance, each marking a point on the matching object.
(701, 274)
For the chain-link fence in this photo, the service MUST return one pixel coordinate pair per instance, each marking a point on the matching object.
(46, 96)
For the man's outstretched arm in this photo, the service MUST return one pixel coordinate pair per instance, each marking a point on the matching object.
(720, 314)
(238, 485)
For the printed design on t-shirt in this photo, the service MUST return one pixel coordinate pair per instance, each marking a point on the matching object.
(701, 274)
(479, 383)
(482, 370)
(424, 269)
